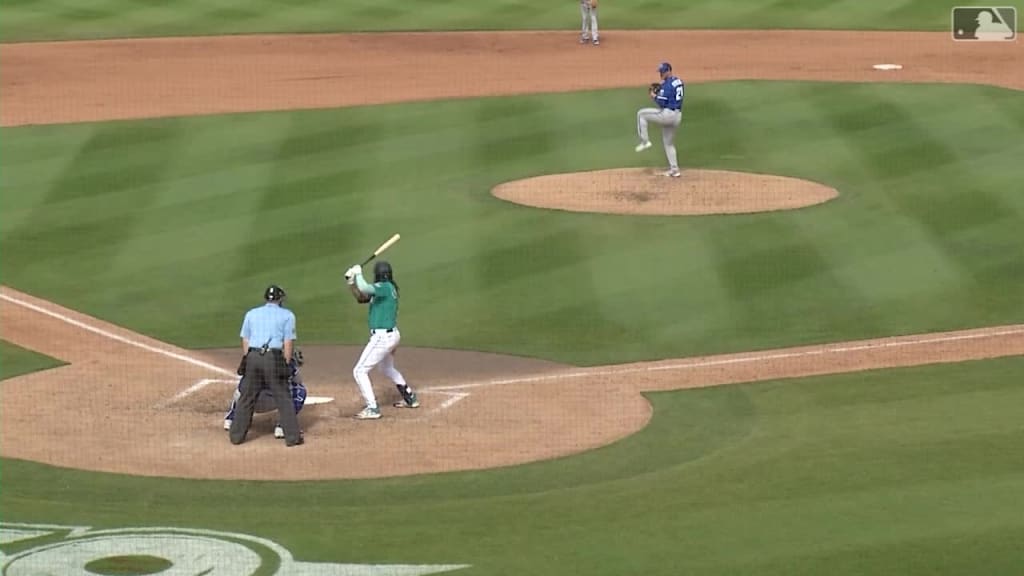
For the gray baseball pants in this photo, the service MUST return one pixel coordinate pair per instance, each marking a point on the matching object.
(589, 16)
(669, 121)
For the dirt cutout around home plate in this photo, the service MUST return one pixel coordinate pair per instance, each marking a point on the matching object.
(131, 404)
(643, 191)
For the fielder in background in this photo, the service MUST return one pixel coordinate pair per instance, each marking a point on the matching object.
(265, 399)
(268, 336)
(588, 30)
(668, 95)
(379, 352)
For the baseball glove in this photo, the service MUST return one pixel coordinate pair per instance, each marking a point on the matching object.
(654, 88)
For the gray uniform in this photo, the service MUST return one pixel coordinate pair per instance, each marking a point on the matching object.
(669, 113)
(588, 28)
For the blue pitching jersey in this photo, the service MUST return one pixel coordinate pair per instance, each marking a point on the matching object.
(671, 94)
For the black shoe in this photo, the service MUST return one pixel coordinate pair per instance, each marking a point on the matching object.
(300, 442)
(408, 401)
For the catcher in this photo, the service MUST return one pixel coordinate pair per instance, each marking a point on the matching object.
(265, 400)
(588, 13)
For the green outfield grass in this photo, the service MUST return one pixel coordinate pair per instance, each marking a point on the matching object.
(174, 227)
(55, 19)
(912, 472)
(15, 361)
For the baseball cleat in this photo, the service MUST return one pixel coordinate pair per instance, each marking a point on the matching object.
(671, 174)
(227, 424)
(278, 432)
(583, 39)
(597, 42)
(368, 413)
(410, 402)
(642, 146)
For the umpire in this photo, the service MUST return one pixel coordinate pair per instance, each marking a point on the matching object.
(268, 334)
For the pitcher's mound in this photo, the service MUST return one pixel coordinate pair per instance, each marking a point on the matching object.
(647, 191)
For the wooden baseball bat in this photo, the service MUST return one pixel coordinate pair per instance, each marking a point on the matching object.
(382, 248)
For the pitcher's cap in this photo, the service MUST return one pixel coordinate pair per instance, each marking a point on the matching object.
(665, 67)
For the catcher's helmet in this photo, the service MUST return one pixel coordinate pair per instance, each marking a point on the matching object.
(274, 293)
(382, 272)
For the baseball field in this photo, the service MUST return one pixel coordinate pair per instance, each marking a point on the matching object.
(804, 356)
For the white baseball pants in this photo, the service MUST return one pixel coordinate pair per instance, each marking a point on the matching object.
(669, 121)
(589, 17)
(378, 353)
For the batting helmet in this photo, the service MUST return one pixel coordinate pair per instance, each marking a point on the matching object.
(274, 293)
(382, 272)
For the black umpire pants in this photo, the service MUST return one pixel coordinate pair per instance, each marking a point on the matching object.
(265, 371)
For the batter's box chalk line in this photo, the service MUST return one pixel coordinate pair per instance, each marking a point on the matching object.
(310, 400)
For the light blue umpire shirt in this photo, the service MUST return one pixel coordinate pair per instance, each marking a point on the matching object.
(269, 324)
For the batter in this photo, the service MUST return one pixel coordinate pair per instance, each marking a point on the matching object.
(379, 352)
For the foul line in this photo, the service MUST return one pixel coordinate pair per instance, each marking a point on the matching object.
(826, 349)
(189, 391)
(117, 337)
(453, 397)
(311, 400)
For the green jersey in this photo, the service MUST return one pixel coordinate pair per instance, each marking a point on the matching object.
(383, 306)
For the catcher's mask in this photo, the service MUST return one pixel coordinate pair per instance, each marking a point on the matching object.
(297, 356)
(382, 272)
(274, 293)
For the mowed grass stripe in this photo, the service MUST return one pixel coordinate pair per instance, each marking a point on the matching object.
(915, 183)
(202, 211)
(510, 260)
(951, 197)
(141, 155)
(786, 279)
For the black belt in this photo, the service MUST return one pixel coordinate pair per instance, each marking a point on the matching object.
(261, 351)
(388, 330)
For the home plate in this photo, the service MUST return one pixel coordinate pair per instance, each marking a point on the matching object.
(319, 399)
(888, 66)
